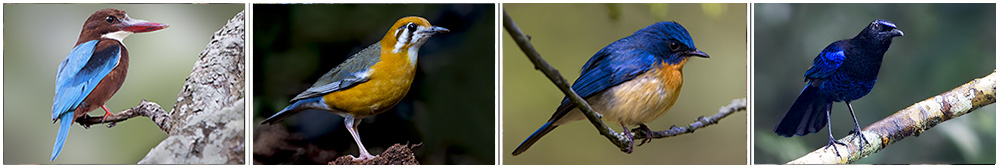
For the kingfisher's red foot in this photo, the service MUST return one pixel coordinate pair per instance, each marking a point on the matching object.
(106, 113)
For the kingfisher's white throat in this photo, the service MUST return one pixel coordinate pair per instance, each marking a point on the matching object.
(118, 35)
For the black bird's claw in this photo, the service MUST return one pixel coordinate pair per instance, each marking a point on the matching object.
(647, 134)
(833, 143)
(857, 134)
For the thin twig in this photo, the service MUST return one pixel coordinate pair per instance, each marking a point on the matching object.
(736, 105)
(145, 109)
(910, 121)
(617, 139)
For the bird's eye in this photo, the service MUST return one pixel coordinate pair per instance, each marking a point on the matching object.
(109, 19)
(675, 46)
(411, 27)
(881, 27)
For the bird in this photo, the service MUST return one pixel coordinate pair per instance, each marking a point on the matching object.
(95, 69)
(631, 81)
(845, 70)
(369, 82)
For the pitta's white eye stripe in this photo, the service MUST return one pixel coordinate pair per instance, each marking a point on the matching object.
(401, 40)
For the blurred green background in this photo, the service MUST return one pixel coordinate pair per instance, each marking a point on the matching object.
(945, 45)
(449, 108)
(37, 38)
(566, 35)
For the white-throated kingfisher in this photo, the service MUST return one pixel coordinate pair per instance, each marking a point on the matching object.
(369, 82)
(95, 69)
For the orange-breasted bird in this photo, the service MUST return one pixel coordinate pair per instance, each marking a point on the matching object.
(369, 82)
(631, 81)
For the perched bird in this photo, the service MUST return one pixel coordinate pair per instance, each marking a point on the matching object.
(844, 71)
(369, 82)
(631, 81)
(95, 69)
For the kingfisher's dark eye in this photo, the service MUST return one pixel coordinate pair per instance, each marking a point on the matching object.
(109, 19)
(411, 27)
(674, 46)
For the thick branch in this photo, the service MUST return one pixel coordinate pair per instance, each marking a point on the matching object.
(145, 109)
(617, 139)
(207, 121)
(909, 122)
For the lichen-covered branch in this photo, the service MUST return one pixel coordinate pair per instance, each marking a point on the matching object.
(909, 122)
(618, 139)
(207, 124)
(145, 108)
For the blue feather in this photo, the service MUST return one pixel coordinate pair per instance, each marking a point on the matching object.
(67, 120)
(76, 78)
(534, 137)
(296, 107)
(827, 62)
(80, 73)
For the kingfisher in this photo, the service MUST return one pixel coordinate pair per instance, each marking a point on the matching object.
(95, 69)
(370, 81)
(631, 81)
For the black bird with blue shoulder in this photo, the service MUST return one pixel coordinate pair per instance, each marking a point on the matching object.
(845, 71)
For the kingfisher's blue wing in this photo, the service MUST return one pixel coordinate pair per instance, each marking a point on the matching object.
(605, 70)
(80, 72)
(827, 62)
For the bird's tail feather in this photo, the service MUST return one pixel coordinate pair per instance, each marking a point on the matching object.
(66, 120)
(807, 114)
(545, 129)
(290, 110)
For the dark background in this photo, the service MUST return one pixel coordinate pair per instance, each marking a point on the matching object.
(449, 108)
(945, 45)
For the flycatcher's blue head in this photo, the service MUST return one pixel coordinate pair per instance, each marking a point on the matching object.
(668, 39)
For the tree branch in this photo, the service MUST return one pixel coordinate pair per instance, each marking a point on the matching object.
(145, 109)
(207, 122)
(736, 105)
(618, 139)
(911, 121)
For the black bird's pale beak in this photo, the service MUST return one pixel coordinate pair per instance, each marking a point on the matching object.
(697, 53)
(897, 32)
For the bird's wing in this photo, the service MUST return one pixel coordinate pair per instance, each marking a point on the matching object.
(827, 62)
(354, 70)
(81, 71)
(610, 69)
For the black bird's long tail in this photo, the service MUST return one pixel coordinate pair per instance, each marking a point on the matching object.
(807, 115)
(545, 129)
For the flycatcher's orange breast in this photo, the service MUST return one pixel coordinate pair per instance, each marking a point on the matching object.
(647, 97)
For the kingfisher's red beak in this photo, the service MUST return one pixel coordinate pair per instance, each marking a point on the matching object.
(140, 26)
